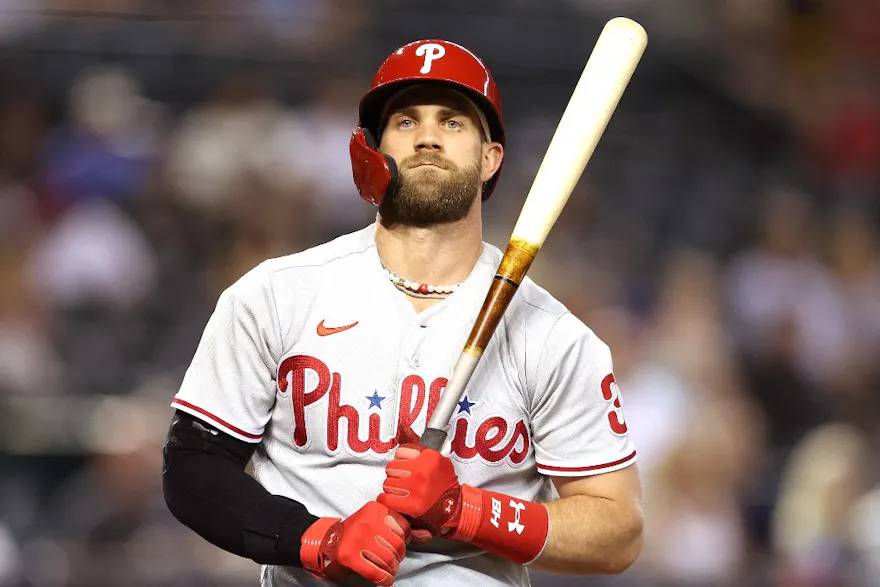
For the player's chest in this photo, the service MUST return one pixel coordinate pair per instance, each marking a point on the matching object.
(383, 371)
(376, 342)
(363, 382)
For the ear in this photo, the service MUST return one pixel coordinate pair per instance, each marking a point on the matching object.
(493, 154)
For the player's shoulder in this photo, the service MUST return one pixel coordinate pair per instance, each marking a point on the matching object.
(548, 319)
(325, 254)
(539, 301)
(532, 301)
(263, 278)
(542, 307)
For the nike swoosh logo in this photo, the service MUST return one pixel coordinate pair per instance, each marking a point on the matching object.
(328, 330)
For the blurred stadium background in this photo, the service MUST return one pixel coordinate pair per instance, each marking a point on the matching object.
(723, 241)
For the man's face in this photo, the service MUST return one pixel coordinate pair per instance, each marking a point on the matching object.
(435, 136)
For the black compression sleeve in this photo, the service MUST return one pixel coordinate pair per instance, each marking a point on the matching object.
(208, 490)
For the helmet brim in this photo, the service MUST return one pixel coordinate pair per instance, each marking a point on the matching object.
(372, 105)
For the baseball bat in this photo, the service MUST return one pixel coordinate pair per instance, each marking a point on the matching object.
(607, 73)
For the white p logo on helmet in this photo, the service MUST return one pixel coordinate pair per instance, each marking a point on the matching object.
(431, 52)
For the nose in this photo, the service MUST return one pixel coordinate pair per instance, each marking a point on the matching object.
(427, 138)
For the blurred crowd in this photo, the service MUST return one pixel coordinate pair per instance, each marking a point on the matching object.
(725, 242)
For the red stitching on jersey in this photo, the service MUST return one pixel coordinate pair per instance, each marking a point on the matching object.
(615, 416)
(591, 468)
(494, 440)
(490, 433)
(216, 419)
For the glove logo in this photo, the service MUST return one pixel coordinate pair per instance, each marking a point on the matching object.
(515, 525)
(496, 512)
(431, 52)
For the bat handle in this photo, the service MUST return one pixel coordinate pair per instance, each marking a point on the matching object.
(433, 438)
(435, 430)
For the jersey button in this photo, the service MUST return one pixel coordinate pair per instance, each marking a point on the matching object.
(416, 360)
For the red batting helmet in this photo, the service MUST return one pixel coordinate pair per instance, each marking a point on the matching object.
(431, 61)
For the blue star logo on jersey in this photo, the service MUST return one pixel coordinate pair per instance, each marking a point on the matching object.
(465, 405)
(375, 400)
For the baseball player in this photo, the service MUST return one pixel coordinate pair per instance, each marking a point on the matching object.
(322, 368)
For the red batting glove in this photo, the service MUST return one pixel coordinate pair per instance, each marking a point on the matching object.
(371, 542)
(421, 483)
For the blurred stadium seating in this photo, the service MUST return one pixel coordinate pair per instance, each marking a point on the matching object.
(723, 241)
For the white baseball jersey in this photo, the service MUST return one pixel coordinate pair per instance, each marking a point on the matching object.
(322, 361)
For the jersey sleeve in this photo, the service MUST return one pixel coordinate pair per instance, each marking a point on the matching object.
(577, 420)
(231, 379)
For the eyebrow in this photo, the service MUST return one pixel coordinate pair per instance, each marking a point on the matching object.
(445, 111)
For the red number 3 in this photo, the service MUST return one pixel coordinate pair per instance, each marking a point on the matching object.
(611, 393)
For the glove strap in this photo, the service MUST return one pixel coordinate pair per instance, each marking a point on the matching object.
(512, 528)
(312, 540)
(471, 514)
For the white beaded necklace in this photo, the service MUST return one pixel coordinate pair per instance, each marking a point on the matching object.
(416, 289)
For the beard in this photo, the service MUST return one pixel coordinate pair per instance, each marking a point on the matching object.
(426, 195)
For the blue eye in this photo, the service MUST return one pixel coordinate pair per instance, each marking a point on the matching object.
(453, 124)
(405, 123)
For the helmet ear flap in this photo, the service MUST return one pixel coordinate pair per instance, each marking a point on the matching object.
(370, 139)
(373, 143)
(375, 174)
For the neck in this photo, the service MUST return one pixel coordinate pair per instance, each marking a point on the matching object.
(438, 255)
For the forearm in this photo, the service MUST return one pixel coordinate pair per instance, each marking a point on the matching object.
(590, 535)
(207, 489)
(594, 528)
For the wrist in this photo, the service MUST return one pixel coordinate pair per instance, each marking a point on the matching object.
(512, 528)
(470, 514)
(312, 544)
(274, 529)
